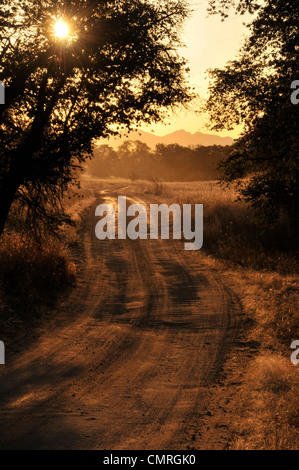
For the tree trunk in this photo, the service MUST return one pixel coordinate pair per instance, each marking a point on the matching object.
(8, 189)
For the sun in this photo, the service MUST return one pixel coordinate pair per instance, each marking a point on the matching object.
(61, 29)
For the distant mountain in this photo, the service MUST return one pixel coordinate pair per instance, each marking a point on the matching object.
(181, 137)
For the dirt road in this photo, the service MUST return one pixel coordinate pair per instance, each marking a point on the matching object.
(128, 359)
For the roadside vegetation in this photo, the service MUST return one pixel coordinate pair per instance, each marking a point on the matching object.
(34, 273)
(267, 412)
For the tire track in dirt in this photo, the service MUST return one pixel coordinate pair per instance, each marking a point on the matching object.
(127, 363)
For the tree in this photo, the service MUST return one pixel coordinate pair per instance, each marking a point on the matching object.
(172, 162)
(104, 163)
(225, 7)
(117, 67)
(254, 90)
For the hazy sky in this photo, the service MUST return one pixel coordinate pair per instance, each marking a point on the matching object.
(210, 43)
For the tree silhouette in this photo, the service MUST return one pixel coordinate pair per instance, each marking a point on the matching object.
(135, 160)
(255, 90)
(117, 67)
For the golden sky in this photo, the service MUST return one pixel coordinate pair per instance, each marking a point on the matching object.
(210, 43)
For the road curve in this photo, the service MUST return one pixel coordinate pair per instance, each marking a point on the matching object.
(127, 358)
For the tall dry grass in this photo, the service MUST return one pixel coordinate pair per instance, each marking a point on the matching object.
(269, 418)
(32, 275)
(230, 231)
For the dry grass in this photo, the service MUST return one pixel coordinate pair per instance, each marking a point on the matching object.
(31, 275)
(266, 415)
(230, 232)
(155, 187)
(34, 274)
(269, 417)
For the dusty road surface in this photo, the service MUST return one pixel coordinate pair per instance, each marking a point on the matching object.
(128, 359)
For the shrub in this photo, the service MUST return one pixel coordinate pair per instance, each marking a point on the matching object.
(32, 274)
